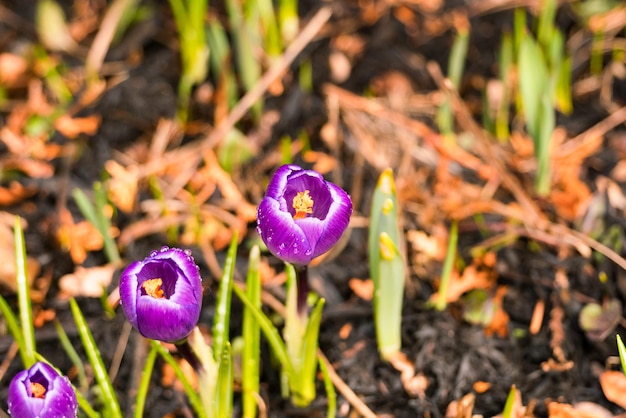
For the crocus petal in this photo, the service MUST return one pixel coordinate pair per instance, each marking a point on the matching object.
(165, 320)
(299, 239)
(282, 236)
(171, 317)
(59, 399)
(337, 220)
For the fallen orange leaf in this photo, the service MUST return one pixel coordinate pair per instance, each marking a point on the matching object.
(614, 386)
(362, 288)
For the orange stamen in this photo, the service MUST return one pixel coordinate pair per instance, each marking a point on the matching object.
(303, 204)
(152, 287)
(38, 390)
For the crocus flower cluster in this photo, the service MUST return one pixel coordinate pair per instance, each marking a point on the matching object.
(302, 215)
(162, 294)
(40, 392)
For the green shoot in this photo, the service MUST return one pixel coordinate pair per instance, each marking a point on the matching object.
(144, 383)
(510, 403)
(191, 393)
(331, 395)
(622, 352)
(109, 399)
(27, 346)
(252, 339)
(96, 215)
(446, 273)
(456, 63)
(189, 16)
(221, 322)
(386, 266)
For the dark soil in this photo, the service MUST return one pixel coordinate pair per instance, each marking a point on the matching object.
(451, 353)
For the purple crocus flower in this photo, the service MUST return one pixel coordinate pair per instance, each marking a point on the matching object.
(162, 294)
(302, 215)
(40, 392)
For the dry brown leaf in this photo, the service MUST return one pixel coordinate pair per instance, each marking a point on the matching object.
(322, 162)
(563, 410)
(123, 185)
(14, 193)
(414, 385)
(500, 321)
(472, 278)
(614, 386)
(362, 288)
(481, 386)
(89, 282)
(72, 127)
(78, 238)
(12, 68)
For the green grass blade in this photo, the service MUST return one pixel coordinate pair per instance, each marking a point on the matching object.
(305, 393)
(510, 403)
(95, 214)
(388, 298)
(270, 332)
(453, 239)
(14, 327)
(622, 352)
(224, 389)
(144, 384)
(385, 189)
(331, 394)
(533, 81)
(109, 398)
(221, 322)
(192, 395)
(73, 355)
(547, 121)
(251, 352)
(23, 296)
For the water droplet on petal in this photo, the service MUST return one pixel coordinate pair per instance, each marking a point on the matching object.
(281, 246)
(164, 248)
(296, 250)
(270, 238)
(308, 252)
(153, 253)
(188, 252)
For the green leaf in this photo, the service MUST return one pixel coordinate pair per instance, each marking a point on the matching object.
(448, 264)
(303, 392)
(251, 352)
(622, 353)
(270, 332)
(224, 389)
(192, 395)
(23, 296)
(221, 321)
(331, 395)
(144, 383)
(109, 399)
(14, 328)
(533, 81)
(510, 403)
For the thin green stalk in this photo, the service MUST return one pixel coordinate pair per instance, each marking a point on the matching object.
(331, 395)
(192, 395)
(224, 388)
(73, 355)
(441, 303)
(221, 321)
(269, 330)
(622, 353)
(109, 398)
(23, 296)
(14, 327)
(144, 383)
(251, 352)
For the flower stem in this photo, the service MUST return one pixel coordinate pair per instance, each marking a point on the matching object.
(185, 350)
(302, 287)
